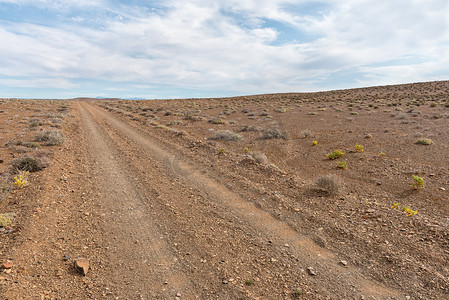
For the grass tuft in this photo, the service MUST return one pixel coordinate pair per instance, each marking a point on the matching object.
(424, 142)
(6, 219)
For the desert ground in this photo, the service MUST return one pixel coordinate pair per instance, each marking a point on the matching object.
(228, 198)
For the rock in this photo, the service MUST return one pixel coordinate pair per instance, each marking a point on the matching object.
(178, 295)
(311, 271)
(81, 265)
(442, 188)
(7, 265)
(343, 263)
(66, 258)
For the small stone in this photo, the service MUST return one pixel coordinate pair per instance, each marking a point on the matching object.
(225, 282)
(7, 265)
(311, 271)
(82, 265)
(178, 294)
(370, 210)
(273, 259)
(442, 188)
(343, 263)
(66, 258)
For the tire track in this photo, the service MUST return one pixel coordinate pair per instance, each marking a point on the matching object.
(141, 262)
(332, 275)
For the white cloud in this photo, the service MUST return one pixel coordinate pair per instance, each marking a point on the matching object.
(56, 4)
(39, 83)
(194, 44)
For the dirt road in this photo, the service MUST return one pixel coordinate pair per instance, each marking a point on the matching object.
(156, 226)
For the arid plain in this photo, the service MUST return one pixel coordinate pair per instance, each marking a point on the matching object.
(228, 198)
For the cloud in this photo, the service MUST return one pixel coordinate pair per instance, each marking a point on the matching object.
(39, 83)
(229, 45)
(55, 4)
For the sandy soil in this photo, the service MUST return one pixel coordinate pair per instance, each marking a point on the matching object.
(164, 210)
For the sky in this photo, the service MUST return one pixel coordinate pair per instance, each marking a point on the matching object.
(196, 48)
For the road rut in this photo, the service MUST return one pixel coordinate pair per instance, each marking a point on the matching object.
(113, 139)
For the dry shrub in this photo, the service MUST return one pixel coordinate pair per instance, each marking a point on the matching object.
(260, 158)
(226, 135)
(31, 163)
(306, 133)
(4, 188)
(253, 128)
(274, 133)
(328, 184)
(50, 137)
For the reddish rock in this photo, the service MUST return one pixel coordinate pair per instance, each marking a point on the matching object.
(82, 265)
(7, 265)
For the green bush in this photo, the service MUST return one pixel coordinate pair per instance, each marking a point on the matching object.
(336, 154)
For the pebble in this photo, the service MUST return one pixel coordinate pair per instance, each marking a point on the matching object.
(178, 294)
(7, 265)
(81, 265)
(442, 188)
(343, 263)
(66, 258)
(311, 271)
